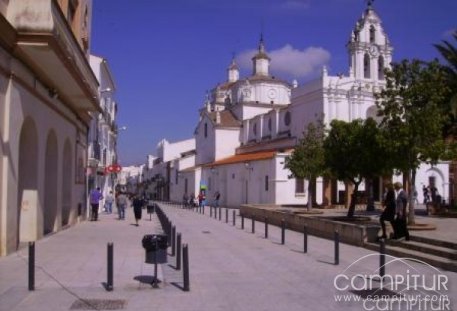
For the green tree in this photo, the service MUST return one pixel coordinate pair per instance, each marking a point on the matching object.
(353, 152)
(449, 54)
(307, 159)
(412, 116)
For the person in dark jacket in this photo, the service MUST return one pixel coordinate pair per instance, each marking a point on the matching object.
(137, 208)
(388, 213)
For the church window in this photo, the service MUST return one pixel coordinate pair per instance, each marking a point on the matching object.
(269, 124)
(372, 34)
(380, 68)
(254, 129)
(299, 185)
(287, 118)
(206, 130)
(366, 66)
(266, 182)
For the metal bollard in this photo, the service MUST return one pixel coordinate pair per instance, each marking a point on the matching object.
(305, 239)
(109, 282)
(203, 210)
(210, 212)
(253, 223)
(173, 241)
(31, 266)
(185, 258)
(266, 227)
(242, 221)
(283, 231)
(226, 215)
(382, 258)
(220, 213)
(234, 217)
(337, 248)
(178, 251)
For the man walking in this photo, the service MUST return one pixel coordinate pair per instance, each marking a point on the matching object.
(95, 197)
(109, 203)
(401, 201)
(121, 205)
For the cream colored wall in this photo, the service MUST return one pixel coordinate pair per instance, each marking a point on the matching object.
(26, 98)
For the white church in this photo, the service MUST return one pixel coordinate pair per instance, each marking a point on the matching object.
(248, 126)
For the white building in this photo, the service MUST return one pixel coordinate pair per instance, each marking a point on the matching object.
(248, 127)
(103, 131)
(47, 90)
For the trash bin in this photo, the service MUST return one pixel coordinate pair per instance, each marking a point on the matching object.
(150, 207)
(155, 246)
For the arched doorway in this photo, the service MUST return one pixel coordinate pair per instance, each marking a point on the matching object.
(50, 185)
(27, 192)
(67, 175)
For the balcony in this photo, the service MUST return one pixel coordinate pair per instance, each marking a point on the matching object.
(45, 42)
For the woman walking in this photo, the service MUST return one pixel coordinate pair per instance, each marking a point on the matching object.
(137, 208)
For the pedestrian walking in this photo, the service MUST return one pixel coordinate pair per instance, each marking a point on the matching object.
(388, 214)
(109, 203)
(121, 203)
(401, 201)
(217, 196)
(137, 208)
(95, 197)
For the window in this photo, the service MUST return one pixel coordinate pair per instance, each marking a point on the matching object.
(269, 124)
(266, 183)
(366, 66)
(287, 118)
(299, 185)
(185, 185)
(209, 183)
(372, 34)
(380, 68)
(206, 130)
(254, 129)
(176, 176)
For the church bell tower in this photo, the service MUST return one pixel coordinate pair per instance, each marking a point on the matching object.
(369, 48)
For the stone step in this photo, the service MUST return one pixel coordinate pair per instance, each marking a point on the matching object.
(401, 252)
(427, 248)
(436, 242)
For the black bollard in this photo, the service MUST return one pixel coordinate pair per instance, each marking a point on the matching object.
(173, 241)
(226, 215)
(305, 239)
(203, 210)
(283, 231)
(242, 221)
(178, 251)
(382, 258)
(266, 227)
(234, 217)
(337, 248)
(185, 258)
(31, 266)
(109, 282)
(253, 223)
(210, 212)
(220, 213)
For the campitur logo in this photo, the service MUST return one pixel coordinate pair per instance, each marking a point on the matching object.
(402, 287)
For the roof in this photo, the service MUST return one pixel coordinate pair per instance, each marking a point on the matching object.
(246, 157)
(228, 119)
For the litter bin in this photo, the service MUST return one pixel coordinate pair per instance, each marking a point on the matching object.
(150, 207)
(155, 246)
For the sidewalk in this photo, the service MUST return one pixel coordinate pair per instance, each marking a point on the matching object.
(230, 268)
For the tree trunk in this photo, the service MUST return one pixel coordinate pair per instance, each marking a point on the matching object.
(354, 198)
(412, 203)
(310, 194)
(369, 190)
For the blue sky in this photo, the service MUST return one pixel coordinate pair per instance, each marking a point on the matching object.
(164, 55)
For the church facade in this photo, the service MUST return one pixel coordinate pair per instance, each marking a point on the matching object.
(248, 126)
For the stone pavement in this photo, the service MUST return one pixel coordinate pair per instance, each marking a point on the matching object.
(230, 269)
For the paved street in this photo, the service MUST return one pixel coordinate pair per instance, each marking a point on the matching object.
(230, 268)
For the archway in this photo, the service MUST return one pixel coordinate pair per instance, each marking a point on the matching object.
(50, 185)
(27, 192)
(67, 174)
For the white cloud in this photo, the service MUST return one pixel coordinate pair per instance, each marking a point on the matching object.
(290, 61)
